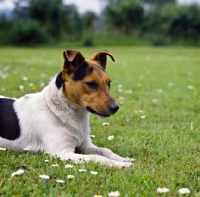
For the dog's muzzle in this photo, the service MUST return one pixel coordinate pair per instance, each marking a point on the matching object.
(113, 108)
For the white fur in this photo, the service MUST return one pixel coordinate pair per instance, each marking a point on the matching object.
(49, 122)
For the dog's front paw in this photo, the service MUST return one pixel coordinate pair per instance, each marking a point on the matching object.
(125, 165)
(127, 159)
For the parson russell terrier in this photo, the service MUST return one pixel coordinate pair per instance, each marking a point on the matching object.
(56, 120)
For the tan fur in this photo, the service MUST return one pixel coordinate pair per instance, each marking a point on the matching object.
(77, 91)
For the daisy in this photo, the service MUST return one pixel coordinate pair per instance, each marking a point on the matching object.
(170, 84)
(128, 91)
(97, 195)
(115, 194)
(88, 158)
(121, 98)
(154, 101)
(82, 170)
(190, 87)
(92, 136)
(184, 191)
(70, 176)
(27, 148)
(18, 172)
(94, 173)
(143, 117)
(111, 137)
(55, 165)
(1, 148)
(162, 190)
(42, 84)
(21, 87)
(46, 160)
(105, 123)
(60, 181)
(68, 166)
(25, 78)
(44, 176)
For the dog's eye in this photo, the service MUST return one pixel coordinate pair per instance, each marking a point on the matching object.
(91, 85)
(109, 84)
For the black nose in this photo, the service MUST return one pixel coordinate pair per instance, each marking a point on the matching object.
(113, 108)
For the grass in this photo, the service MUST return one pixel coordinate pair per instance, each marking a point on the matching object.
(163, 86)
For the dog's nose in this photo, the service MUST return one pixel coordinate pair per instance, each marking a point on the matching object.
(114, 107)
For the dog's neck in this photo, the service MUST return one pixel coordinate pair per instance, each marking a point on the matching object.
(60, 105)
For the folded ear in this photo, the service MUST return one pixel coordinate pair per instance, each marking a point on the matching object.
(101, 57)
(72, 60)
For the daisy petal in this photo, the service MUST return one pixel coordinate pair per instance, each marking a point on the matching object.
(18, 172)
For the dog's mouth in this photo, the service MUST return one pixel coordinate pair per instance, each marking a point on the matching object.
(96, 113)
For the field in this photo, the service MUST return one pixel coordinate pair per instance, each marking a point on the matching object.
(158, 124)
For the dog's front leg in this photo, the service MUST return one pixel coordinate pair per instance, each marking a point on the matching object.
(89, 148)
(79, 158)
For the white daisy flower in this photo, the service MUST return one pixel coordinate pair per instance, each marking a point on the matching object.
(2, 148)
(154, 101)
(21, 87)
(143, 117)
(68, 166)
(128, 91)
(93, 173)
(59, 181)
(46, 160)
(25, 78)
(44, 176)
(18, 172)
(88, 158)
(121, 98)
(190, 87)
(27, 148)
(55, 165)
(92, 136)
(82, 170)
(42, 84)
(162, 190)
(184, 191)
(170, 84)
(111, 137)
(31, 84)
(70, 176)
(115, 194)
(159, 90)
(105, 123)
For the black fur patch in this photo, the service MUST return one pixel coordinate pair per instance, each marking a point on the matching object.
(82, 72)
(59, 80)
(9, 123)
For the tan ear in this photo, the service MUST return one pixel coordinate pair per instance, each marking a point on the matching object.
(72, 60)
(101, 57)
(70, 55)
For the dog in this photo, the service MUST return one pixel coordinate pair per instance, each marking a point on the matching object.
(56, 120)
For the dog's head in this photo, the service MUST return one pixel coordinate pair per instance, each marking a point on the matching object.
(86, 83)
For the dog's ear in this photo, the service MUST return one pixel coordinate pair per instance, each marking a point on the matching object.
(72, 60)
(101, 57)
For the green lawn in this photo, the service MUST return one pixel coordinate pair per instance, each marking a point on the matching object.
(158, 124)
